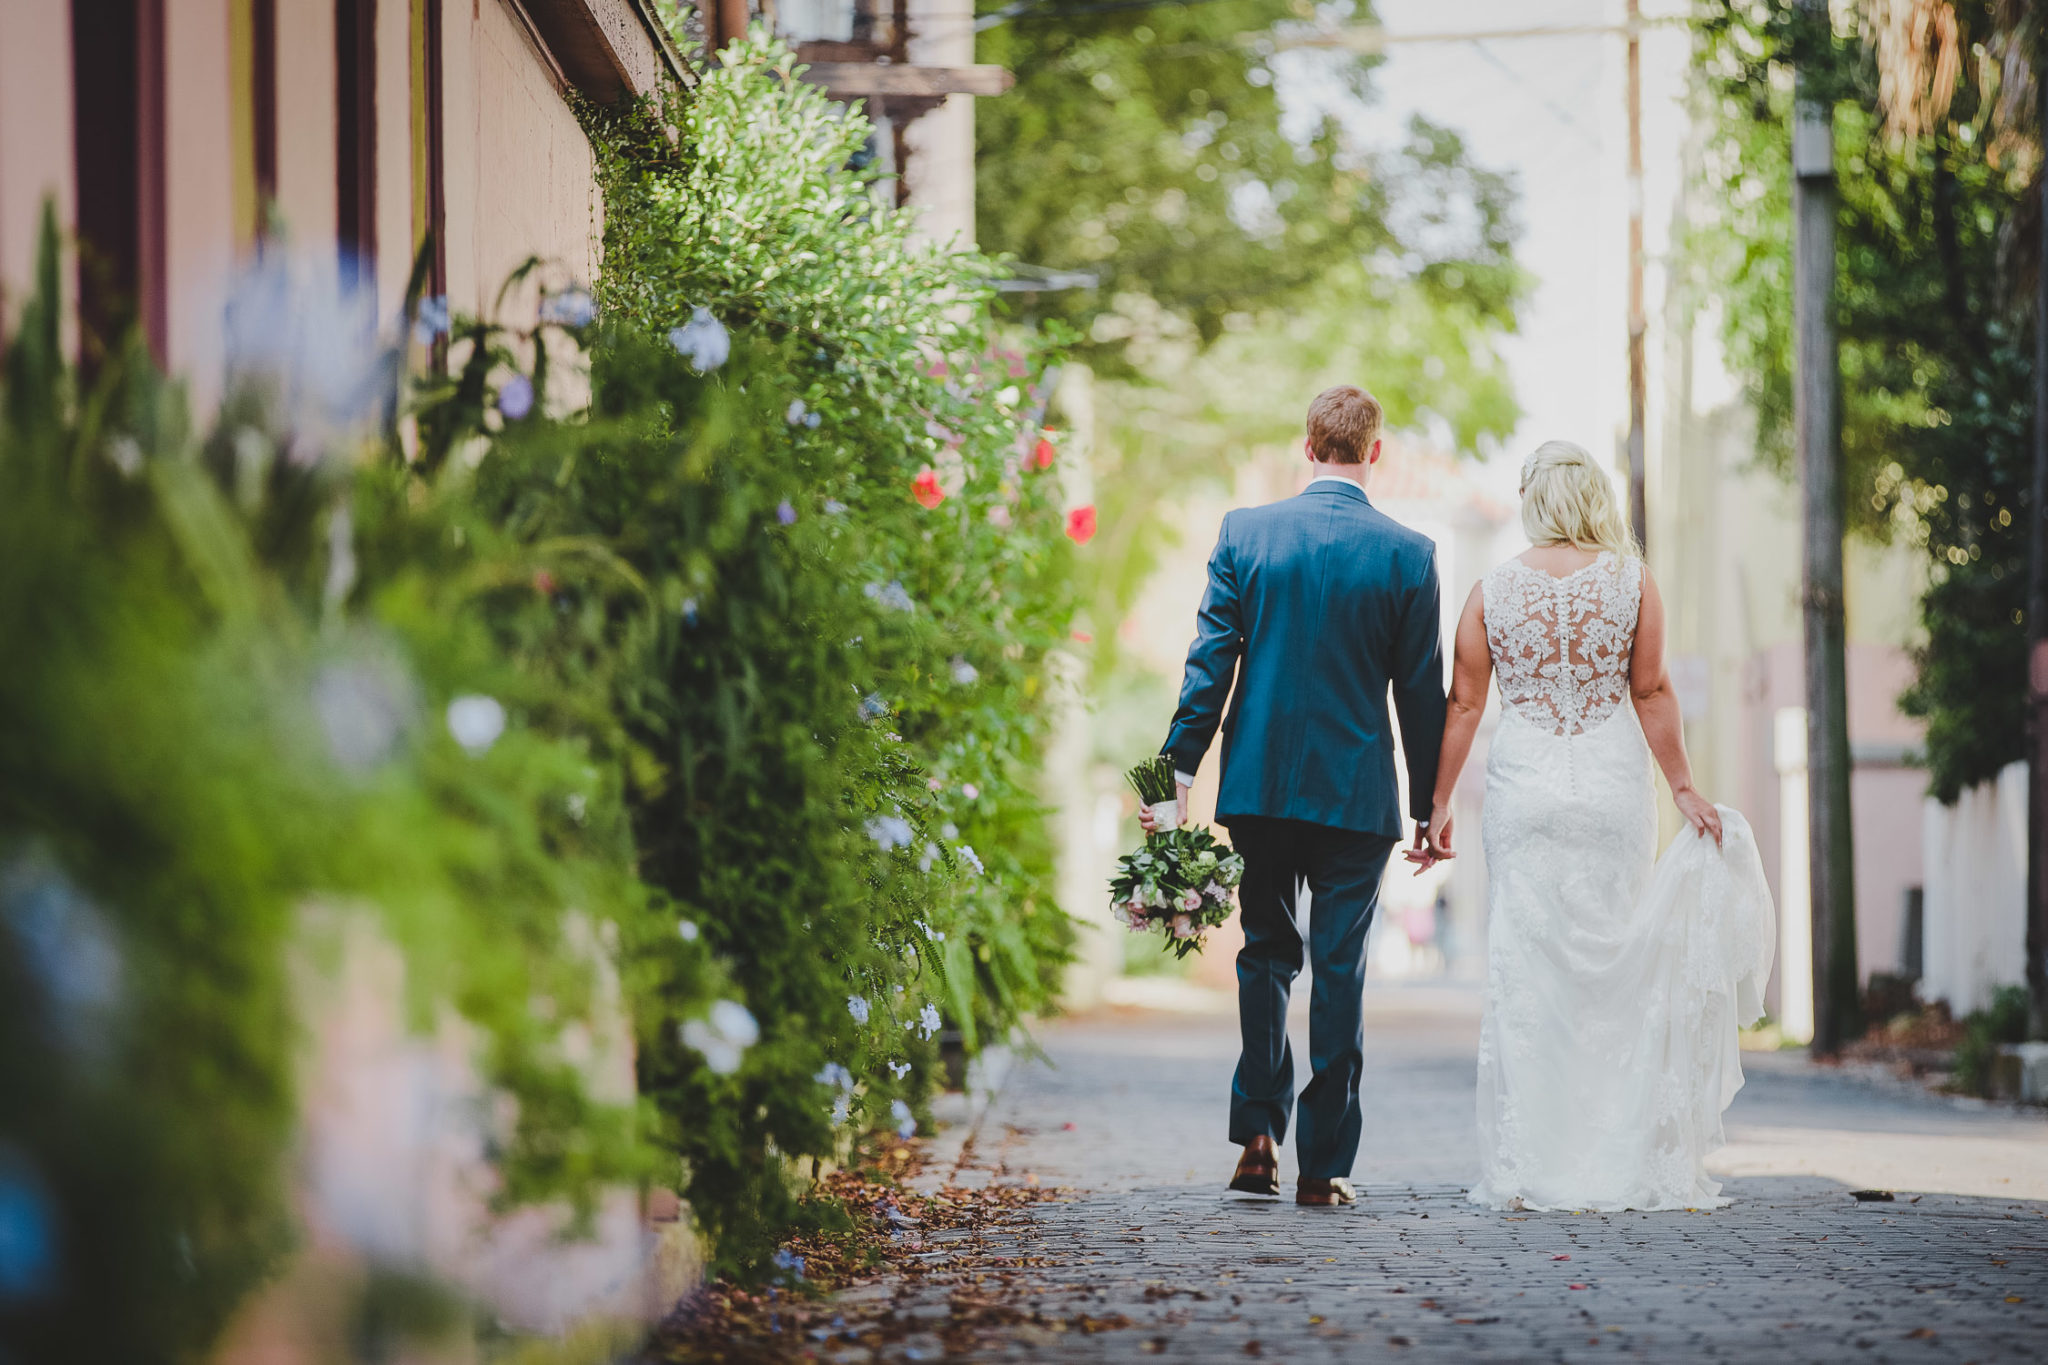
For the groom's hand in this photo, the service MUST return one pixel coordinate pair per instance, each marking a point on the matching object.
(1420, 853)
(1150, 825)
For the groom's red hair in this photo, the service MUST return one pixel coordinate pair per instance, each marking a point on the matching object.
(1343, 423)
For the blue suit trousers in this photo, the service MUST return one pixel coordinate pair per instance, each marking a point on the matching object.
(1342, 869)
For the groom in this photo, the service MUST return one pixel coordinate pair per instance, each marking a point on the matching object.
(1317, 607)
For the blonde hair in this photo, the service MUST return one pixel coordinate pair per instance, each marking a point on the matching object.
(1567, 499)
(1343, 422)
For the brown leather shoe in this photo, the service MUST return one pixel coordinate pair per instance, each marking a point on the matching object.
(1258, 1170)
(1324, 1192)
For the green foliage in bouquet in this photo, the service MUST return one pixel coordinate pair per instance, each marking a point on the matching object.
(1181, 882)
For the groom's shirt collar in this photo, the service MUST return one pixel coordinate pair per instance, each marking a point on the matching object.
(1354, 484)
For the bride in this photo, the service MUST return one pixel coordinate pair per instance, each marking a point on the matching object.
(1614, 989)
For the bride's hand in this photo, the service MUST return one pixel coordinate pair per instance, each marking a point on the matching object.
(1699, 813)
(1440, 833)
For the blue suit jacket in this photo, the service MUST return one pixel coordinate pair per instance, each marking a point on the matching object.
(1318, 606)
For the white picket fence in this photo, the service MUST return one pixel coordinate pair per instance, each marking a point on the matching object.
(1974, 934)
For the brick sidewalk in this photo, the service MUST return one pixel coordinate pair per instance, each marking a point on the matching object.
(1129, 1116)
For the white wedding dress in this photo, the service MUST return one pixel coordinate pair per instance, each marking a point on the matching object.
(1614, 989)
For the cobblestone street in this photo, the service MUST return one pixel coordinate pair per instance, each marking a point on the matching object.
(1148, 1254)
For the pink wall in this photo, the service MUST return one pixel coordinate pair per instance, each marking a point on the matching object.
(1884, 796)
(35, 134)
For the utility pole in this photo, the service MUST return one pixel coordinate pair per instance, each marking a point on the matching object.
(2037, 624)
(1817, 395)
(1638, 324)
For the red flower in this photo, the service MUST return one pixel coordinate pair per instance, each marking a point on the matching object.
(1042, 454)
(925, 488)
(544, 583)
(1081, 524)
(1084, 637)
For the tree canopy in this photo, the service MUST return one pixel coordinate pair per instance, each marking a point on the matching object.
(1934, 309)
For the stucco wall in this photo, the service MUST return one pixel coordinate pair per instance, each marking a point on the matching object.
(521, 178)
(35, 135)
(199, 196)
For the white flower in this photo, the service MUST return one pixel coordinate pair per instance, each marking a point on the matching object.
(476, 722)
(892, 595)
(927, 1021)
(857, 1006)
(970, 791)
(703, 340)
(890, 832)
(577, 805)
(572, 307)
(688, 929)
(931, 933)
(833, 506)
(973, 860)
(906, 1122)
(1216, 893)
(964, 673)
(724, 1037)
(900, 1069)
(949, 830)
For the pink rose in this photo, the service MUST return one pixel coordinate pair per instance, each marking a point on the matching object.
(1183, 927)
(1191, 901)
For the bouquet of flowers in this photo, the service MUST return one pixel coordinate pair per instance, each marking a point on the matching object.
(1182, 880)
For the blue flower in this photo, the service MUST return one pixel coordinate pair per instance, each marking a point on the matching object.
(689, 611)
(431, 320)
(28, 1239)
(785, 513)
(833, 1074)
(703, 341)
(928, 1020)
(964, 673)
(900, 1069)
(872, 707)
(724, 1037)
(515, 399)
(572, 307)
(890, 832)
(892, 595)
(906, 1122)
(834, 507)
(476, 722)
(857, 1006)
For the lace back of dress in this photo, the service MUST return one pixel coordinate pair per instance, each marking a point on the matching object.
(1561, 645)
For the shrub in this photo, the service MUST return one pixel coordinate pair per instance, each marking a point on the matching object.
(1984, 1032)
